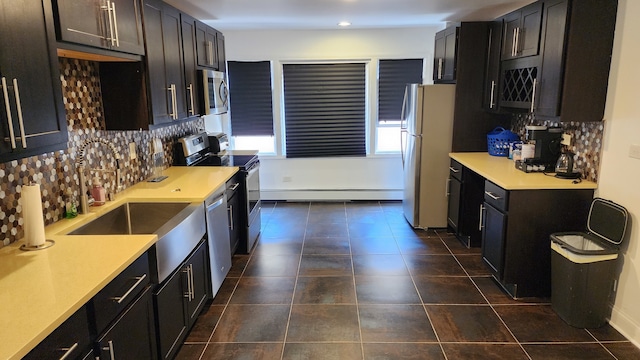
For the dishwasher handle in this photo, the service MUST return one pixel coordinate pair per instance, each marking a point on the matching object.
(215, 203)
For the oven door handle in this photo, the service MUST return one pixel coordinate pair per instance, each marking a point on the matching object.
(253, 169)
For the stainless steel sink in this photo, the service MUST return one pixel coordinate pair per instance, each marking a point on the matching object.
(179, 226)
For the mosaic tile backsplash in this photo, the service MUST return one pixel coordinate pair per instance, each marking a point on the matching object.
(586, 144)
(56, 172)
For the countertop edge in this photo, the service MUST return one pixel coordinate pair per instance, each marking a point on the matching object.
(502, 172)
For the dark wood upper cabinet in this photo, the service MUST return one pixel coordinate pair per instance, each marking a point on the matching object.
(222, 57)
(522, 32)
(192, 86)
(207, 46)
(32, 112)
(107, 24)
(576, 47)
(163, 39)
(445, 55)
(491, 94)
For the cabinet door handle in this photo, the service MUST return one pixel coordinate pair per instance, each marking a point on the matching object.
(480, 226)
(492, 195)
(439, 68)
(533, 95)
(187, 271)
(115, 24)
(175, 101)
(192, 111)
(513, 42)
(173, 113)
(193, 283)
(230, 209)
(16, 93)
(211, 53)
(453, 170)
(234, 187)
(491, 100)
(111, 37)
(517, 47)
(5, 92)
(120, 299)
(68, 351)
(111, 349)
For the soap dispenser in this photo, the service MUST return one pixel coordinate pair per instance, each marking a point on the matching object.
(70, 209)
(97, 192)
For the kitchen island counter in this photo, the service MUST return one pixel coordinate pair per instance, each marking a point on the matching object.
(502, 172)
(41, 289)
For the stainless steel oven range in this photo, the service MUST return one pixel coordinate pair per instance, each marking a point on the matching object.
(194, 150)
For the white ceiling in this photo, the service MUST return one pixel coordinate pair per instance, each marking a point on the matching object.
(325, 14)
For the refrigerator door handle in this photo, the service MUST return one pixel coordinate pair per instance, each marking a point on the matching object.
(403, 134)
(403, 117)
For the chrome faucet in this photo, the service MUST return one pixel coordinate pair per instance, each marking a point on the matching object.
(84, 201)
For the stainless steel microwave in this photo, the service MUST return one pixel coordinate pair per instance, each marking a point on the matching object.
(214, 92)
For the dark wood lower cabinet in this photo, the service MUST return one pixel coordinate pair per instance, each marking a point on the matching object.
(453, 213)
(494, 222)
(179, 300)
(71, 339)
(466, 194)
(517, 225)
(132, 335)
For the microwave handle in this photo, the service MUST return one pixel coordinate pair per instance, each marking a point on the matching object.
(224, 93)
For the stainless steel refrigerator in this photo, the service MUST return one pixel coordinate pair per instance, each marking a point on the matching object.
(427, 127)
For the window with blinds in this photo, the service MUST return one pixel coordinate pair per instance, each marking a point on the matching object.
(250, 99)
(393, 76)
(324, 109)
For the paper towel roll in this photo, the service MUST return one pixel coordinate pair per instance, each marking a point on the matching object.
(33, 222)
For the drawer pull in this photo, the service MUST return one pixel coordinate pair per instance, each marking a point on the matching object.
(453, 170)
(120, 299)
(492, 195)
(480, 223)
(68, 351)
(234, 187)
(111, 350)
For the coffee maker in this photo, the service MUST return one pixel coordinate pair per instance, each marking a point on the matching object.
(547, 144)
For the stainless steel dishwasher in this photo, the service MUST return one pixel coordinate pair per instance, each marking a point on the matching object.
(218, 237)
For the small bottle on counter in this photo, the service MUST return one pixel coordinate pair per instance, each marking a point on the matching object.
(98, 193)
(70, 208)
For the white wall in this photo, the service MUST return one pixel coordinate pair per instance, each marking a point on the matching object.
(619, 173)
(374, 177)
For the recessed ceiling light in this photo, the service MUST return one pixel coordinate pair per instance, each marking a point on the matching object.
(344, 23)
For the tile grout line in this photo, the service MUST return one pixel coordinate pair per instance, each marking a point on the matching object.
(224, 310)
(601, 344)
(486, 299)
(295, 286)
(424, 307)
(355, 291)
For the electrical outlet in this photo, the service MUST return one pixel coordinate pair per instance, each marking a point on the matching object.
(286, 179)
(566, 139)
(132, 151)
(634, 151)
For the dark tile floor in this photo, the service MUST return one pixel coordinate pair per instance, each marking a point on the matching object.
(354, 281)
